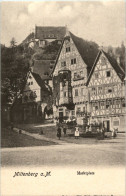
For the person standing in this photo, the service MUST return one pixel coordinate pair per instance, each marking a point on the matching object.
(77, 134)
(59, 133)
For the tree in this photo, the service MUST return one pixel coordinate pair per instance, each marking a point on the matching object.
(110, 51)
(13, 42)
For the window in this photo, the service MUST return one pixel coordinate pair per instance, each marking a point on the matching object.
(42, 43)
(82, 91)
(75, 75)
(63, 64)
(102, 105)
(83, 109)
(70, 94)
(107, 105)
(93, 106)
(93, 91)
(76, 92)
(96, 107)
(73, 113)
(65, 94)
(103, 60)
(115, 88)
(78, 109)
(96, 75)
(73, 61)
(116, 123)
(67, 113)
(31, 83)
(117, 104)
(109, 90)
(108, 73)
(123, 104)
(99, 90)
(78, 75)
(81, 73)
(68, 49)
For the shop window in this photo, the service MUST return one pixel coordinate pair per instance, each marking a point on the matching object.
(116, 123)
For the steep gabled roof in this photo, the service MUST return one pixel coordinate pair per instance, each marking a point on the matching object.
(38, 79)
(43, 68)
(49, 32)
(87, 49)
(113, 63)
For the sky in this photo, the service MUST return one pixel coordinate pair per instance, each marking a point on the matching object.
(99, 21)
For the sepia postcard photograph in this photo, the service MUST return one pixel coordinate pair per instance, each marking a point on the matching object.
(63, 107)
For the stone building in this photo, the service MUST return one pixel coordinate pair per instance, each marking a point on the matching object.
(106, 86)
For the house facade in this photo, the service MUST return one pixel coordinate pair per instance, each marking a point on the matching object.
(35, 99)
(70, 74)
(106, 88)
(46, 34)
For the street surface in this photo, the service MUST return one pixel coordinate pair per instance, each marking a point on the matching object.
(108, 152)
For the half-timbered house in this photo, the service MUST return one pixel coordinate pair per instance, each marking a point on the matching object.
(70, 76)
(106, 86)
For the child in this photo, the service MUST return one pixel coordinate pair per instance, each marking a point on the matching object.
(77, 134)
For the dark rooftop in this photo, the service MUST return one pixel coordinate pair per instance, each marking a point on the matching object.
(43, 68)
(87, 49)
(49, 32)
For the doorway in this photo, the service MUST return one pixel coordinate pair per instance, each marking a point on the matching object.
(106, 124)
(60, 117)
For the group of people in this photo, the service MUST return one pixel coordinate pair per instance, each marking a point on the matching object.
(77, 134)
